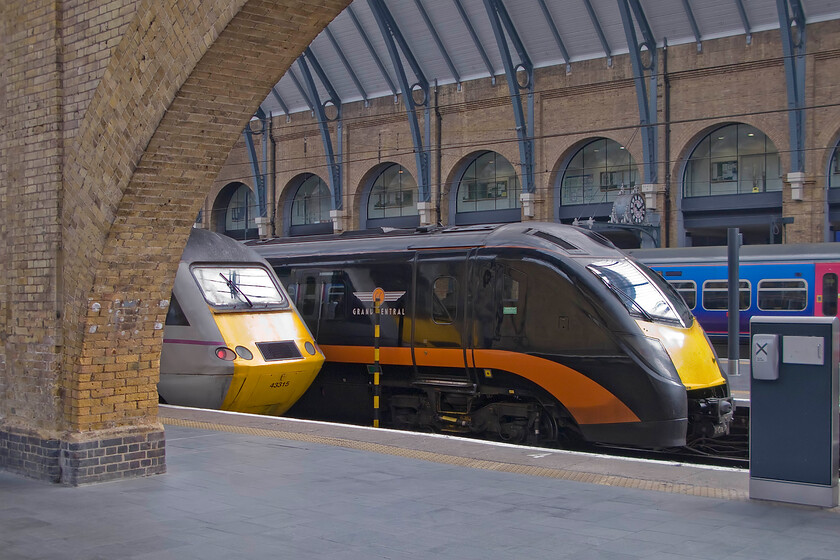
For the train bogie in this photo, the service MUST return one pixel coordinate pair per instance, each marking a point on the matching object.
(524, 332)
(233, 339)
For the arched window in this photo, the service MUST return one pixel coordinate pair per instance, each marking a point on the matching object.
(733, 159)
(489, 190)
(833, 176)
(234, 212)
(597, 173)
(312, 203)
(393, 194)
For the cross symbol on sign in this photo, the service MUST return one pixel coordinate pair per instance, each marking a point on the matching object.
(761, 349)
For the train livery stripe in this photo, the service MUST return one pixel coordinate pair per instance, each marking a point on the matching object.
(388, 355)
(196, 342)
(589, 402)
(586, 400)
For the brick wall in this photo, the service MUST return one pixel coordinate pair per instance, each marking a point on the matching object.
(112, 134)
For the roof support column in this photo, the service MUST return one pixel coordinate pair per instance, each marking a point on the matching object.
(334, 160)
(259, 177)
(646, 98)
(392, 35)
(793, 47)
(501, 23)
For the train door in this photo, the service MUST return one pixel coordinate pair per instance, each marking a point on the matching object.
(438, 325)
(826, 289)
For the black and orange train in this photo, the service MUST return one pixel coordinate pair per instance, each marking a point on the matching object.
(530, 332)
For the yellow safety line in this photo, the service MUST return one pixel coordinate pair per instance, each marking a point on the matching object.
(576, 476)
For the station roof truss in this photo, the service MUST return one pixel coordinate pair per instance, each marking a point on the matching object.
(453, 40)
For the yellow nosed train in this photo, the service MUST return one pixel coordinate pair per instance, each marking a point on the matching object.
(232, 339)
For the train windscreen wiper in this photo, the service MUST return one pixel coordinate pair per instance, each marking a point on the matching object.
(626, 297)
(233, 286)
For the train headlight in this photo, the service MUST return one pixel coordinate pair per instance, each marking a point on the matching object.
(310, 348)
(653, 353)
(244, 353)
(225, 354)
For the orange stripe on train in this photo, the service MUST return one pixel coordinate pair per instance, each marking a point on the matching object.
(586, 400)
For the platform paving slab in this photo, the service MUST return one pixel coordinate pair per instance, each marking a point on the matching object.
(241, 495)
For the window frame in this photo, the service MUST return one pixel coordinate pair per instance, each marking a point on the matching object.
(765, 280)
(726, 289)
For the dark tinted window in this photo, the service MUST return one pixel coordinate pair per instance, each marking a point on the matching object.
(444, 300)
(715, 295)
(782, 295)
(829, 304)
(175, 315)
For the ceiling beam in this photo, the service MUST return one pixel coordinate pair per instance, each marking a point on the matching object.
(593, 17)
(430, 26)
(371, 50)
(476, 41)
(556, 33)
(346, 63)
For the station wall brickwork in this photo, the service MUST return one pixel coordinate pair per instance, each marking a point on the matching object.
(117, 116)
(729, 80)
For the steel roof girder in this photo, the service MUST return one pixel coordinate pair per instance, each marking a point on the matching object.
(422, 157)
(259, 179)
(554, 31)
(381, 11)
(334, 162)
(303, 93)
(646, 99)
(596, 23)
(444, 53)
(744, 20)
(476, 41)
(280, 101)
(371, 50)
(794, 58)
(334, 97)
(693, 23)
(524, 128)
(346, 64)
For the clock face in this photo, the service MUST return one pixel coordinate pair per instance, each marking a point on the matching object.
(637, 208)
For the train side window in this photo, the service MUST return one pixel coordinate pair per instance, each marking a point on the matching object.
(444, 300)
(175, 315)
(829, 303)
(716, 298)
(687, 289)
(308, 297)
(335, 303)
(782, 295)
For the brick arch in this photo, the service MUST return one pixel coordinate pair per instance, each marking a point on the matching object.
(287, 198)
(159, 126)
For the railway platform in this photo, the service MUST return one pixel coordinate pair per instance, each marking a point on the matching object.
(242, 486)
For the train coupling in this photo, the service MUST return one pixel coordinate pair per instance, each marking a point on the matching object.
(710, 417)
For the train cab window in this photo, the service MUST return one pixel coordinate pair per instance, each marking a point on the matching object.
(335, 302)
(643, 292)
(175, 315)
(782, 295)
(444, 300)
(829, 303)
(687, 289)
(238, 287)
(716, 298)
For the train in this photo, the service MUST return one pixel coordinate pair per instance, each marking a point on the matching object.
(232, 338)
(531, 332)
(791, 280)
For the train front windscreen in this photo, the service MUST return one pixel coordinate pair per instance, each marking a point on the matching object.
(231, 287)
(643, 292)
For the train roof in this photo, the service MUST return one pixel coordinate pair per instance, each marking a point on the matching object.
(785, 252)
(571, 240)
(206, 246)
